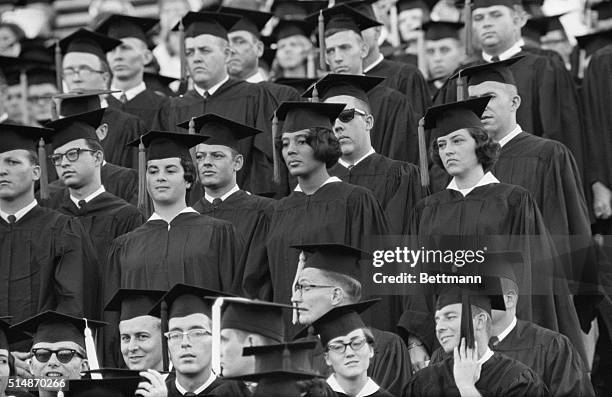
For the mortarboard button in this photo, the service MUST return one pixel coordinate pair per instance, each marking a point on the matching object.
(494, 71)
(220, 130)
(335, 84)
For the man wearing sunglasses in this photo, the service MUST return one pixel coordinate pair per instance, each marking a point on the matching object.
(330, 279)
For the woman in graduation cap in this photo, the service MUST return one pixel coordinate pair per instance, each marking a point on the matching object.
(321, 207)
(485, 213)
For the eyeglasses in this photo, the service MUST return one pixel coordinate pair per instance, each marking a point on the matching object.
(64, 356)
(339, 347)
(72, 155)
(349, 114)
(83, 71)
(307, 287)
(193, 335)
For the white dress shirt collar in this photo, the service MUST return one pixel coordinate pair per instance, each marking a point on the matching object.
(21, 213)
(368, 389)
(3, 117)
(185, 210)
(87, 199)
(347, 164)
(212, 89)
(131, 93)
(509, 53)
(329, 180)
(256, 78)
(485, 357)
(486, 179)
(233, 190)
(200, 389)
(508, 329)
(103, 103)
(374, 64)
(512, 134)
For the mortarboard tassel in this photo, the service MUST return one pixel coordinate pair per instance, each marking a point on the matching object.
(311, 69)
(142, 182)
(423, 162)
(421, 57)
(460, 87)
(58, 67)
(275, 158)
(182, 59)
(322, 65)
(286, 359)
(467, 20)
(23, 103)
(90, 348)
(467, 325)
(164, 329)
(315, 94)
(394, 36)
(44, 179)
(300, 266)
(216, 337)
(53, 109)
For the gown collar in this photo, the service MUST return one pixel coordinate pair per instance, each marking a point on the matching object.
(368, 389)
(486, 179)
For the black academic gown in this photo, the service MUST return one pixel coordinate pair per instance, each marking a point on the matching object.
(379, 393)
(407, 79)
(395, 124)
(395, 184)
(246, 103)
(219, 388)
(500, 217)
(281, 93)
(196, 249)
(250, 215)
(549, 101)
(500, 376)
(337, 212)
(144, 105)
(389, 368)
(117, 129)
(46, 261)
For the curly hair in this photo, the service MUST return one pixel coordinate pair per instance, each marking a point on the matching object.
(487, 151)
(190, 172)
(324, 143)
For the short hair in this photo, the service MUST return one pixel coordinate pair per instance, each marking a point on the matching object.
(242, 335)
(476, 311)
(348, 284)
(487, 150)
(92, 144)
(331, 32)
(364, 105)
(33, 157)
(189, 172)
(508, 285)
(104, 67)
(325, 144)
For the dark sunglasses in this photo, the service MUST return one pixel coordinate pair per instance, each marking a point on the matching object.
(349, 114)
(64, 356)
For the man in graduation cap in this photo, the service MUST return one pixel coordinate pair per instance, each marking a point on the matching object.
(61, 347)
(401, 76)
(550, 104)
(44, 253)
(463, 327)
(394, 134)
(218, 160)
(176, 244)
(127, 63)
(395, 184)
(245, 41)
(329, 277)
(444, 52)
(207, 52)
(546, 168)
(84, 67)
(139, 330)
(190, 344)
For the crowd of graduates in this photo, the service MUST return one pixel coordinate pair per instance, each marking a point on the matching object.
(190, 205)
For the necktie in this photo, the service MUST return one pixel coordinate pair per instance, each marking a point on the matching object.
(82, 204)
(123, 98)
(205, 95)
(217, 202)
(12, 219)
(351, 166)
(495, 59)
(189, 394)
(494, 341)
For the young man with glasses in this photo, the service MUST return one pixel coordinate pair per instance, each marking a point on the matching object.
(84, 68)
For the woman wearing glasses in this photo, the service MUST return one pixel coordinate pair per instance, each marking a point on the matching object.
(321, 208)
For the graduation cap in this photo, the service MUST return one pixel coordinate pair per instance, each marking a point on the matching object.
(405, 5)
(132, 303)
(604, 10)
(537, 27)
(333, 257)
(84, 40)
(78, 126)
(112, 373)
(252, 21)
(490, 3)
(121, 26)
(594, 41)
(80, 101)
(292, 27)
(444, 119)
(212, 23)
(108, 387)
(297, 9)
(343, 17)
(335, 84)
(339, 321)
(363, 6)
(14, 136)
(299, 116)
(41, 76)
(300, 85)
(183, 300)
(164, 144)
(221, 131)
(438, 30)
(259, 317)
(36, 50)
(494, 71)
(9, 335)
(156, 80)
(52, 327)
